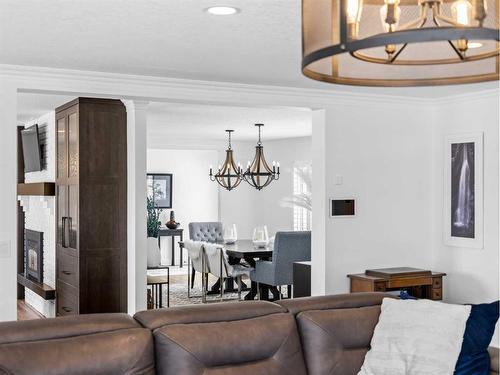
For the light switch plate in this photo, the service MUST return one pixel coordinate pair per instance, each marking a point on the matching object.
(5, 249)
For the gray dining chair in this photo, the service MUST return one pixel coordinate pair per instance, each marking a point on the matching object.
(289, 247)
(205, 232)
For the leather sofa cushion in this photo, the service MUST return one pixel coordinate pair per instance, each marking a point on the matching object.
(263, 345)
(215, 312)
(336, 341)
(106, 344)
(338, 301)
(45, 329)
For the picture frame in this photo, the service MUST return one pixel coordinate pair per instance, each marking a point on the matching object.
(160, 189)
(463, 190)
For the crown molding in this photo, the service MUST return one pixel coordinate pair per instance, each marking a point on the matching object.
(470, 97)
(34, 79)
(153, 88)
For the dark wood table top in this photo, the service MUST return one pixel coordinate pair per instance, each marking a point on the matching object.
(246, 249)
(164, 231)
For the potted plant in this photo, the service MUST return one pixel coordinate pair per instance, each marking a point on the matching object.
(153, 225)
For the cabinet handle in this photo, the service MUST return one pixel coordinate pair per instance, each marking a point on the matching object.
(67, 309)
(66, 272)
(65, 231)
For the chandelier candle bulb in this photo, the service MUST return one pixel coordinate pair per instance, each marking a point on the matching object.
(461, 11)
(479, 8)
(354, 9)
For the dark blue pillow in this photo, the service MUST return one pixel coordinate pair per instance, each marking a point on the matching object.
(474, 358)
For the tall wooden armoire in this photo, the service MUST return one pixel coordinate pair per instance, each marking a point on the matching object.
(91, 205)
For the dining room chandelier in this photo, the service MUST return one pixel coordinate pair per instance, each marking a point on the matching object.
(229, 175)
(400, 42)
(258, 173)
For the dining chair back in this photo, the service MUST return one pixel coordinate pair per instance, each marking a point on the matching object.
(289, 247)
(219, 266)
(206, 231)
(198, 260)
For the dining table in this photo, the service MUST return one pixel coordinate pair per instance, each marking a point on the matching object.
(245, 249)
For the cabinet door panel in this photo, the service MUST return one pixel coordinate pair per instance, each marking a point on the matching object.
(61, 149)
(73, 152)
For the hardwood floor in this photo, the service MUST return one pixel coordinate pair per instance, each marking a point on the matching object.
(25, 312)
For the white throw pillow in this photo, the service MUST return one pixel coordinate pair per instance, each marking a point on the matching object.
(416, 337)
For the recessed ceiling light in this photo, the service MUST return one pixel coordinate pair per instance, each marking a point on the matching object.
(474, 45)
(221, 10)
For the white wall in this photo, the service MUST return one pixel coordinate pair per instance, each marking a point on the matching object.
(194, 196)
(391, 161)
(40, 216)
(247, 207)
(383, 153)
(473, 275)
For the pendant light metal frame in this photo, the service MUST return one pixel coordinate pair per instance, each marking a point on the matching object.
(413, 33)
(229, 175)
(259, 174)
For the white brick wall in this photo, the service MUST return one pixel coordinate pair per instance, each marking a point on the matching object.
(40, 216)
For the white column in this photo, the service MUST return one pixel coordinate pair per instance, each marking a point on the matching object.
(8, 201)
(320, 204)
(136, 203)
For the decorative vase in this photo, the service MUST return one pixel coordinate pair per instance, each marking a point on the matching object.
(172, 224)
(260, 236)
(154, 255)
(230, 234)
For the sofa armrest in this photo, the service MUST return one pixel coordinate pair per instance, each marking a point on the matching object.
(494, 356)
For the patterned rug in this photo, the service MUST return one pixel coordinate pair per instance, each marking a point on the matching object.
(179, 288)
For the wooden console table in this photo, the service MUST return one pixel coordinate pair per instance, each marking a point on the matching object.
(165, 232)
(418, 283)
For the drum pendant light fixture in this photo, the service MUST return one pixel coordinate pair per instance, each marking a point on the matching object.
(258, 173)
(400, 42)
(229, 175)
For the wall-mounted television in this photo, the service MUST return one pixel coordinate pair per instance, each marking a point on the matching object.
(32, 151)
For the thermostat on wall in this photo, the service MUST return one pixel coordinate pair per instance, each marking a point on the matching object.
(342, 207)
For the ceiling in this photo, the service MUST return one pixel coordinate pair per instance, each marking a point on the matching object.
(169, 38)
(172, 123)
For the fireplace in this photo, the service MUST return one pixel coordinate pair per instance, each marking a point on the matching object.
(33, 255)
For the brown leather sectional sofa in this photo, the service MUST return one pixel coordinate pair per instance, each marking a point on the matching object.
(318, 335)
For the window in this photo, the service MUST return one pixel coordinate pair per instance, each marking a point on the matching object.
(302, 179)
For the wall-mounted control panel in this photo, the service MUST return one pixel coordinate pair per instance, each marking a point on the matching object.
(342, 207)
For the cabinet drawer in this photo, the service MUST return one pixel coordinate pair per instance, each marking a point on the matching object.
(67, 299)
(437, 294)
(67, 269)
(437, 283)
(410, 281)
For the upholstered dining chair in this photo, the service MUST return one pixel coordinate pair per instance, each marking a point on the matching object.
(207, 232)
(198, 261)
(218, 265)
(289, 247)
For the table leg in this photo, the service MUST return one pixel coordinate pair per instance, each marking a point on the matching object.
(161, 295)
(253, 287)
(180, 248)
(168, 287)
(173, 251)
